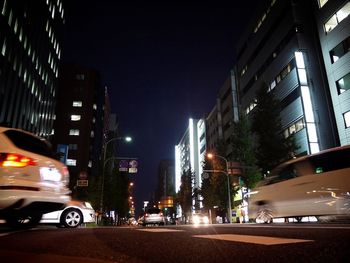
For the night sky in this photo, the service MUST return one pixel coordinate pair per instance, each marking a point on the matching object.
(163, 62)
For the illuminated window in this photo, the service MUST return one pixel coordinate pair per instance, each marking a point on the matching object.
(4, 8)
(75, 117)
(346, 117)
(321, 3)
(74, 132)
(343, 84)
(337, 18)
(3, 50)
(94, 107)
(71, 162)
(77, 103)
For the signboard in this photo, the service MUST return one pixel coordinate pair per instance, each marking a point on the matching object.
(82, 183)
(123, 165)
(128, 165)
(133, 166)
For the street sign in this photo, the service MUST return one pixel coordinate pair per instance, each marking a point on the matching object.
(82, 183)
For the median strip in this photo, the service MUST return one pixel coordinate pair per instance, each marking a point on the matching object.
(260, 240)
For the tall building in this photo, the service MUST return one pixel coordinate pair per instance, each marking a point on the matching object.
(333, 23)
(189, 153)
(281, 48)
(166, 179)
(78, 125)
(30, 43)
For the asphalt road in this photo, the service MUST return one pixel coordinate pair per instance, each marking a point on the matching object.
(215, 243)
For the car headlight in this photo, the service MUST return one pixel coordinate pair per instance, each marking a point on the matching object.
(196, 220)
(206, 220)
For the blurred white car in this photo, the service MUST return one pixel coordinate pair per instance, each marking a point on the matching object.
(32, 182)
(73, 215)
(153, 216)
(198, 219)
(314, 185)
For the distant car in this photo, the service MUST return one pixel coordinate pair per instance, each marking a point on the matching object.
(199, 218)
(314, 185)
(153, 216)
(32, 182)
(73, 215)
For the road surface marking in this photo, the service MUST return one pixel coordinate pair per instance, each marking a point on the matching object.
(159, 230)
(261, 240)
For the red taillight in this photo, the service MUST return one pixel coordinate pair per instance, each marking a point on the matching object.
(15, 160)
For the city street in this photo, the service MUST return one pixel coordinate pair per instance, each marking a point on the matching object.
(305, 242)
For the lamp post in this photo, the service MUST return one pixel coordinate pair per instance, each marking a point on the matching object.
(210, 156)
(127, 139)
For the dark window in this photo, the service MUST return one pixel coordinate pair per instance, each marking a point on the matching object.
(343, 84)
(29, 143)
(340, 50)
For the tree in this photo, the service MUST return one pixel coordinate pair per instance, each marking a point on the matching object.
(243, 152)
(272, 147)
(184, 197)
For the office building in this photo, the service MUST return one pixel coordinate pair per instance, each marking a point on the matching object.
(78, 125)
(281, 49)
(30, 43)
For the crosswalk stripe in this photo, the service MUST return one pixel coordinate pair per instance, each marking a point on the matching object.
(261, 240)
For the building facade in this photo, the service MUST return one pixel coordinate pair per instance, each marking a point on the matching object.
(30, 42)
(281, 49)
(79, 122)
(333, 24)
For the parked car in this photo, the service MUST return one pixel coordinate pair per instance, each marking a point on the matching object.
(32, 182)
(314, 185)
(153, 216)
(72, 215)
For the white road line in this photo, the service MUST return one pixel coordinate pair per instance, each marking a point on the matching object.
(261, 240)
(159, 230)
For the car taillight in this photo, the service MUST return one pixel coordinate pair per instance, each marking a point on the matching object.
(15, 160)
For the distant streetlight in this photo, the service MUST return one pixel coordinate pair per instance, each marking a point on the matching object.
(211, 156)
(126, 139)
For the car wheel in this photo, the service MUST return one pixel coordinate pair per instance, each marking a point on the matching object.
(71, 218)
(264, 215)
(23, 221)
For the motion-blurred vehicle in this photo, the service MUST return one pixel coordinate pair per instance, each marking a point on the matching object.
(32, 182)
(199, 218)
(153, 216)
(72, 215)
(314, 185)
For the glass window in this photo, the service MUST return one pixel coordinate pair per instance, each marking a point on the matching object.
(75, 117)
(3, 50)
(74, 132)
(4, 8)
(71, 162)
(340, 50)
(343, 84)
(321, 3)
(77, 103)
(346, 116)
(331, 24)
(337, 17)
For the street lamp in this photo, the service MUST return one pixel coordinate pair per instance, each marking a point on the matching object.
(127, 139)
(211, 156)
